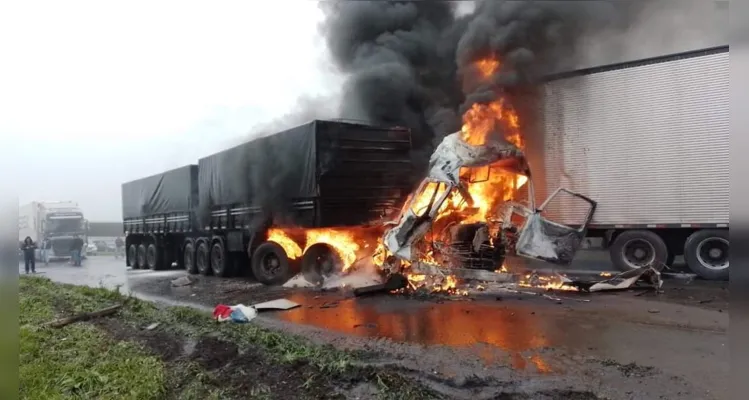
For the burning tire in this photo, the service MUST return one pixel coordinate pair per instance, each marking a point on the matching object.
(188, 258)
(219, 260)
(132, 256)
(706, 254)
(141, 257)
(320, 261)
(270, 264)
(203, 259)
(635, 249)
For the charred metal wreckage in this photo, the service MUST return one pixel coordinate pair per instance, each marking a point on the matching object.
(476, 251)
(515, 229)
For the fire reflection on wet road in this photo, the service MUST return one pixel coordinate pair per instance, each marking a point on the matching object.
(516, 330)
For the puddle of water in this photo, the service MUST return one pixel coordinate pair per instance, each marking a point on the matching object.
(515, 330)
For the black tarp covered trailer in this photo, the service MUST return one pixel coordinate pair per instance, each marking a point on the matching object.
(323, 173)
(170, 196)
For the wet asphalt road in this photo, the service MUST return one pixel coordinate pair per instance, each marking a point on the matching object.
(620, 345)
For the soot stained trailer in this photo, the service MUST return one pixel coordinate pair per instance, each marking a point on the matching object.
(320, 174)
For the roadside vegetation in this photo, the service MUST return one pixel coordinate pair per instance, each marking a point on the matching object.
(145, 351)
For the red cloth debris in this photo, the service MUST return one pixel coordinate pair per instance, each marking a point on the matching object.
(222, 312)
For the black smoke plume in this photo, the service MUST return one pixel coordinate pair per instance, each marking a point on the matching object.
(411, 63)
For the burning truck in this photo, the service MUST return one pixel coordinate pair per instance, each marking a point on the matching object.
(271, 205)
(475, 214)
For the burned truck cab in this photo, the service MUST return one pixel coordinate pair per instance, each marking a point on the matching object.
(443, 224)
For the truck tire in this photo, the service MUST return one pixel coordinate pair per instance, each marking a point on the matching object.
(141, 257)
(154, 257)
(132, 256)
(319, 262)
(220, 262)
(706, 254)
(188, 258)
(270, 264)
(203, 258)
(634, 249)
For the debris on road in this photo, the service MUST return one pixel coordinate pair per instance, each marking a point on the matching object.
(393, 282)
(153, 326)
(59, 323)
(182, 281)
(239, 313)
(648, 274)
(278, 304)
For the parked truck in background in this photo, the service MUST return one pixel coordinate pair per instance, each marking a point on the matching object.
(57, 221)
(214, 217)
(649, 141)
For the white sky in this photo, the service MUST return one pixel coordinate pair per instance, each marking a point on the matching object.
(96, 93)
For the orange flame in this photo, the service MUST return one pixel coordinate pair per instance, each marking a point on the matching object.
(488, 186)
(343, 241)
(545, 282)
(293, 251)
(487, 67)
(347, 242)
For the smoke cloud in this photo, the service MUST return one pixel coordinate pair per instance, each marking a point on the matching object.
(413, 63)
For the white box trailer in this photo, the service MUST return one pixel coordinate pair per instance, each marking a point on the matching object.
(649, 141)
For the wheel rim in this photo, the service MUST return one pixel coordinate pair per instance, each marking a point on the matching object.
(188, 258)
(325, 264)
(201, 259)
(637, 253)
(271, 264)
(216, 258)
(141, 258)
(712, 253)
(151, 256)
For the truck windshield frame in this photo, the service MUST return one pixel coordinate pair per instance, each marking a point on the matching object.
(64, 223)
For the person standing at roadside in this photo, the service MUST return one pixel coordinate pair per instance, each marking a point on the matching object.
(76, 246)
(29, 257)
(119, 245)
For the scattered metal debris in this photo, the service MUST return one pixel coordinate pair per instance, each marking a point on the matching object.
(393, 282)
(332, 304)
(182, 281)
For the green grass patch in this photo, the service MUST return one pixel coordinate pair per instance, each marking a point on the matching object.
(78, 361)
(85, 360)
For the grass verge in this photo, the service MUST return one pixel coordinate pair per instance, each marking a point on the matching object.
(187, 356)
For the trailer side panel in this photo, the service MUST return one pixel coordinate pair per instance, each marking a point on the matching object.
(169, 192)
(649, 141)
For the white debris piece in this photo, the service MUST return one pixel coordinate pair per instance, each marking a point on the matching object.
(278, 304)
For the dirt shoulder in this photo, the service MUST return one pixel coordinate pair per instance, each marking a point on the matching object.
(145, 351)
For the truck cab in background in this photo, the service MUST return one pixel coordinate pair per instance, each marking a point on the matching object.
(55, 222)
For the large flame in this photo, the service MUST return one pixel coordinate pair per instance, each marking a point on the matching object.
(346, 242)
(488, 187)
(343, 241)
(293, 251)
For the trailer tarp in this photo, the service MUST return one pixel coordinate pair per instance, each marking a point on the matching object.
(168, 192)
(263, 172)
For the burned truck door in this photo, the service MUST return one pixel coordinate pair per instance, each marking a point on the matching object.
(417, 218)
(550, 241)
